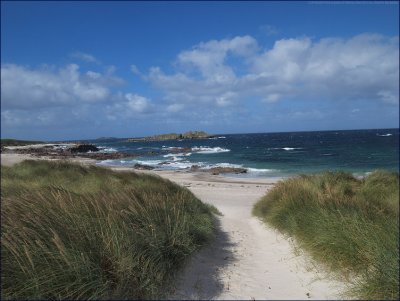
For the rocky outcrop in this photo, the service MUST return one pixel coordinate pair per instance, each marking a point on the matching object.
(196, 135)
(107, 156)
(235, 170)
(84, 148)
(179, 150)
(174, 136)
(219, 170)
(70, 151)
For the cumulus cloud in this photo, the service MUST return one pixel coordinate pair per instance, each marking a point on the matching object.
(209, 58)
(129, 105)
(24, 87)
(364, 67)
(56, 98)
(217, 82)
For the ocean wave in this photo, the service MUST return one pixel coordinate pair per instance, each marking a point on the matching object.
(285, 148)
(111, 162)
(177, 155)
(209, 166)
(171, 147)
(260, 171)
(209, 150)
(182, 164)
(147, 147)
(384, 135)
(61, 146)
(105, 149)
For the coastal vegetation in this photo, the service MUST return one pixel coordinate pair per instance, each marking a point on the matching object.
(350, 225)
(74, 232)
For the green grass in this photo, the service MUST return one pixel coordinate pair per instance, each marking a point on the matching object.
(350, 225)
(14, 142)
(73, 232)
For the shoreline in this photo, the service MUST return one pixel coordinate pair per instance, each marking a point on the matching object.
(9, 159)
(247, 259)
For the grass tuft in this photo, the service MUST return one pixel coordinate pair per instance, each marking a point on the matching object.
(350, 225)
(74, 232)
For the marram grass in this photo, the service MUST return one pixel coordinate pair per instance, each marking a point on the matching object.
(350, 225)
(73, 232)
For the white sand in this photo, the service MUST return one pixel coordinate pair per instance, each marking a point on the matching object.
(247, 260)
(9, 159)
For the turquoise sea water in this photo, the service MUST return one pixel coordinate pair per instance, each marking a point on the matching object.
(270, 154)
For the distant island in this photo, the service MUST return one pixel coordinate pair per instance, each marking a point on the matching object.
(174, 136)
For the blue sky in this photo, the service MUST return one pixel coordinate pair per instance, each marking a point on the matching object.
(80, 70)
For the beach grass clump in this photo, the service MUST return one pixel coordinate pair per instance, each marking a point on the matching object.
(351, 225)
(74, 232)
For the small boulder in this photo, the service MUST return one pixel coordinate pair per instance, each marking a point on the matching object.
(219, 170)
(143, 167)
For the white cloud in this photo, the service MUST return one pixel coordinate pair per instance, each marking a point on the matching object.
(208, 58)
(269, 30)
(85, 57)
(93, 75)
(388, 96)
(176, 107)
(23, 87)
(214, 82)
(137, 103)
(135, 70)
(129, 105)
(274, 97)
(364, 67)
(37, 98)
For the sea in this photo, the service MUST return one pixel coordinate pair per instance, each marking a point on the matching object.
(268, 154)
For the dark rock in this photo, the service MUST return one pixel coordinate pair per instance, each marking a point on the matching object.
(84, 148)
(180, 150)
(219, 170)
(72, 152)
(107, 156)
(143, 167)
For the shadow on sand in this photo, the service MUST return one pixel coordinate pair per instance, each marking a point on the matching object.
(201, 278)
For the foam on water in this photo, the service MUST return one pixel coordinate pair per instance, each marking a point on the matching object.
(285, 148)
(177, 155)
(209, 150)
(105, 149)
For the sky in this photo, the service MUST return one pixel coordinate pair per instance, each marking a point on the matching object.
(82, 70)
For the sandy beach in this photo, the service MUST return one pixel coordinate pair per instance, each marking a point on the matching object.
(247, 260)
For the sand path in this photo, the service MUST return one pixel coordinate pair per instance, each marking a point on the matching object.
(247, 260)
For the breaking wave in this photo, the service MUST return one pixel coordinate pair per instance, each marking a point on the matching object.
(209, 150)
(285, 148)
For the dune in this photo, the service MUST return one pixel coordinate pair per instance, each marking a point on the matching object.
(247, 259)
